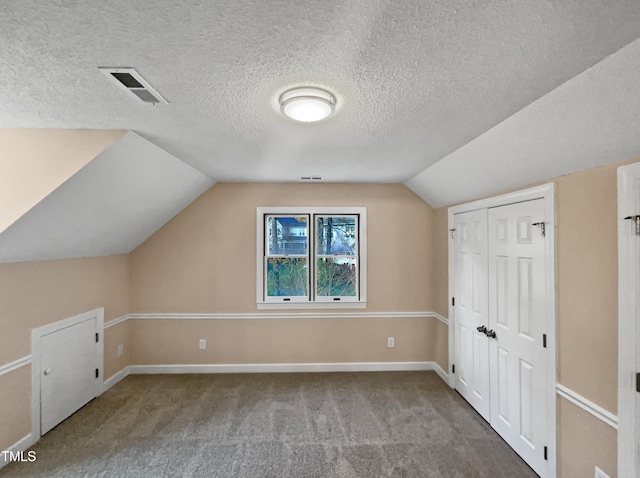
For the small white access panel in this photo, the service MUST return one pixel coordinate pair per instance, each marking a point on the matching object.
(70, 361)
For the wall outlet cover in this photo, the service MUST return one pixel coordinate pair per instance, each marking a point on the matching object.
(120, 349)
(391, 342)
(203, 344)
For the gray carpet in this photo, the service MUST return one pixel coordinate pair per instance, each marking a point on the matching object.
(379, 424)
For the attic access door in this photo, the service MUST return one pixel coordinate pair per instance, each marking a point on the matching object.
(68, 355)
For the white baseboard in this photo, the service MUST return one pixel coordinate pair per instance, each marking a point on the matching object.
(282, 367)
(275, 368)
(115, 378)
(21, 445)
(443, 375)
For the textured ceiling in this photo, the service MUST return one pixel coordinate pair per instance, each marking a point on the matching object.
(109, 207)
(415, 80)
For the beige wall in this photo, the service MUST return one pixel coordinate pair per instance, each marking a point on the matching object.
(114, 336)
(439, 242)
(15, 414)
(282, 340)
(441, 345)
(584, 441)
(33, 294)
(588, 284)
(587, 280)
(34, 162)
(204, 259)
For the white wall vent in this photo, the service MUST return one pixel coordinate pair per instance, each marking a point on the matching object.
(130, 80)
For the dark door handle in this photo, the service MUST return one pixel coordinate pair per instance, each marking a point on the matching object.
(491, 334)
(482, 329)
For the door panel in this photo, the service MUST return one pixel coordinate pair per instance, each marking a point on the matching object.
(67, 363)
(470, 309)
(517, 310)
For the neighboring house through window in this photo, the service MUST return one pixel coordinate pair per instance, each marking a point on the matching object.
(311, 257)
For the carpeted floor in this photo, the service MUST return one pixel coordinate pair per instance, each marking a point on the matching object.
(378, 424)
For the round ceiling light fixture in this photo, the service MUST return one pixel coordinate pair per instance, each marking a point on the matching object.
(307, 104)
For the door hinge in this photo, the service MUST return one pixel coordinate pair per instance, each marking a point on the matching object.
(97, 373)
(636, 219)
(453, 369)
(453, 233)
(453, 301)
(97, 337)
(545, 453)
(542, 226)
(638, 382)
(544, 340)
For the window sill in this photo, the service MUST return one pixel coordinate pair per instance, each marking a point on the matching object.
(310, 305)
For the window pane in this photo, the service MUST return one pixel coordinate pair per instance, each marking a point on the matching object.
(336, 235)
(337, 277)
(286, 277)
(287, 235)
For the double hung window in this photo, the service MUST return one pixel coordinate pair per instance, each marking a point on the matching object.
(311, 257)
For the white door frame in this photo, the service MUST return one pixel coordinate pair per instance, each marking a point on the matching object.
(36, 335)
(628, 303)
(546, 192)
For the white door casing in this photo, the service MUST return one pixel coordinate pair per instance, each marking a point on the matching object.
(517, 315)
(470, 292)
(628, 320)
(545, 395)
(66, 356)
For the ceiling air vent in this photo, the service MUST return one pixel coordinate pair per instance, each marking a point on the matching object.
(130, 80)
(311, 178)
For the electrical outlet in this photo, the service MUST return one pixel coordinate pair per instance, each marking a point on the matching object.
(120, 349)
(391, 342)
(203, 344)
(600, 473)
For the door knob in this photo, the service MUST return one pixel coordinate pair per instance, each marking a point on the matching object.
(48, 371)
(491, 334)
(482, 329)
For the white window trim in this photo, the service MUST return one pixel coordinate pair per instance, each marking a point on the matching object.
(318, 210)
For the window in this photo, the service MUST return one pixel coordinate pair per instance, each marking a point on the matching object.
(311, 257)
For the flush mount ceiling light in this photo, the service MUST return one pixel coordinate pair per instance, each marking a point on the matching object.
(307, 104)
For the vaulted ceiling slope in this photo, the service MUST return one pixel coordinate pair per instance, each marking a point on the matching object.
(34, 162)
(591, 120)
(108, 207)
(415, 80)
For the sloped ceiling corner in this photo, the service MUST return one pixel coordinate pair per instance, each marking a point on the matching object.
(34, 162)
(588, 121)
(109, 207)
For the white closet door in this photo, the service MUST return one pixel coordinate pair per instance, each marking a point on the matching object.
(68, 367)
(470, 309)
(517, 315)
